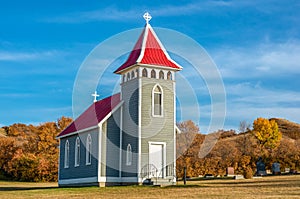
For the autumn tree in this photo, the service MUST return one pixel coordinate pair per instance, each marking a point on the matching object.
(227, 153)
(244, 126)
(8, 149)
(184, 139)
(63, 123)
(30, 153)
(286, 154)
(185, 142)
(267, 133)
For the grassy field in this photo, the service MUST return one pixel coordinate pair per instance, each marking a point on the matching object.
(267, 187)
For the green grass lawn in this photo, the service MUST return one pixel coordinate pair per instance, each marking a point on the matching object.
(267, 187)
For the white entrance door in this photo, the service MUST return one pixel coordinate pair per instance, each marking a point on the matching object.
(156, 159)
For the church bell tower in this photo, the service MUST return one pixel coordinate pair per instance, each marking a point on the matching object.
(148, 115)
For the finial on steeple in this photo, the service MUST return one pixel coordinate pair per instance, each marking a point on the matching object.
(95, 95)
(147, 17)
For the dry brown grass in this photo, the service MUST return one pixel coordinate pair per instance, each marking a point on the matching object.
(2, 132)
(288, 128)
(267, 187)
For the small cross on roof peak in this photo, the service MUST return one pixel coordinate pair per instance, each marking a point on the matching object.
(95, 95)
(147, 17)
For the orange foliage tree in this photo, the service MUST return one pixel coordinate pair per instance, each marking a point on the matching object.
(31, 152)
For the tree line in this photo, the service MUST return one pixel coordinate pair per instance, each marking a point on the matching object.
(30, 153)
(239, 150)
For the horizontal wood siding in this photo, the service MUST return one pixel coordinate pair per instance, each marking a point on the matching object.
(113, 145)
(130, 96)
(83, 170)
(157, 129)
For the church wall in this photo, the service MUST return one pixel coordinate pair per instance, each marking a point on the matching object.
(157, 129)
(83, 170)
(113, 145)
(130, 95)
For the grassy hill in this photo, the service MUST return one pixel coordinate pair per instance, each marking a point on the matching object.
(2, 132)
(288, 128)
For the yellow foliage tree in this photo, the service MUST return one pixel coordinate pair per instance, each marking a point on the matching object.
(267, 133)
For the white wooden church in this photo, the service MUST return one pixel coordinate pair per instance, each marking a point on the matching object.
(129, 137)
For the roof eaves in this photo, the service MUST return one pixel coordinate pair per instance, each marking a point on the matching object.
(96, 126)
(161, 67)
(127, 68)
(77, 132)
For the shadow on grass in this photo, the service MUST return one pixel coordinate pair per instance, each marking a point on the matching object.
(184, 186)
(24, 188)
(277, 182)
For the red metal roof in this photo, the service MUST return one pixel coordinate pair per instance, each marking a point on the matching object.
(149, 50)
(93, 115)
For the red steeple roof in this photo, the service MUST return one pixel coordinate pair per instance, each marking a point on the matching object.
(150, 51)
(93, 115)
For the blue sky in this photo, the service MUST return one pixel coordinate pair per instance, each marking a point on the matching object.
(255, 45)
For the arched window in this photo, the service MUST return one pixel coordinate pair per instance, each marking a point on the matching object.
(124, 78)
(157, 101)
(77, 152)
(128, 155)
(132, 74)
(88, 157)
(145, 73)
(161, 75)
(169, 75)
(153, 73)
(128, 76)
(67, 154)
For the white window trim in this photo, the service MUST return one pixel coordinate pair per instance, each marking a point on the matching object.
(67, 154)
(77, 153)
(162, 101)
(88, 155)
(129, 155)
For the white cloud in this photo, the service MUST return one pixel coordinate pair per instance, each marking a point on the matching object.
(255, 94)
(28, 56)
(259, 60)
(188, 9)
(247, 101)
(17, 56)
(112, 13)
(240, 112)
(106, 14)
(16, 95)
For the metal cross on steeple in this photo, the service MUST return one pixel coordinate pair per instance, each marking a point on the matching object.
(95, 95)
(147, 17)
